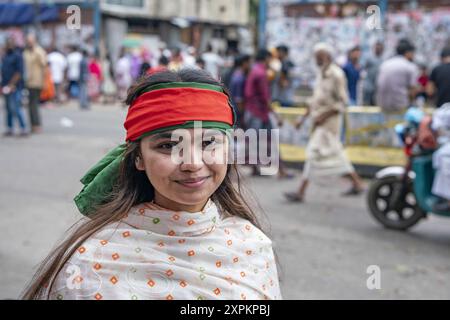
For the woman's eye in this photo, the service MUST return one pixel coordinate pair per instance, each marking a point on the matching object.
(208, 143)
(167, 145)
(211, 141)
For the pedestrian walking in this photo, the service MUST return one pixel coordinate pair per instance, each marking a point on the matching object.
(241, 68)
(73, 71)
(352, 70)
(176, 61)
(371, 66)
(324, 153)
(35, 67)
(123, 74)
(397, 88)
(12, 84)
(83, 83)
(282, 88)
(48, 90)
(108, 87)
(161, 66)
(95, 77)
(212, 61)
(439, 82)
(58, 65)
(258, 108)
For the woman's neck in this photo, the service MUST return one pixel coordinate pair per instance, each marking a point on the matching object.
(166, 203)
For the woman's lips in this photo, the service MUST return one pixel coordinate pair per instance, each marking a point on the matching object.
(193, 183)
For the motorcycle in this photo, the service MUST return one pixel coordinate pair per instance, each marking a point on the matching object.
(400, 197)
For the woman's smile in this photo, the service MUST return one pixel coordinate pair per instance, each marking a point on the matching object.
(193, 182)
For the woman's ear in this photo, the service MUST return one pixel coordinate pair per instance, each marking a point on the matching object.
(139, 163)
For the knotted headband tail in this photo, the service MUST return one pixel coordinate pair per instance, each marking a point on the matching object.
(99, 181)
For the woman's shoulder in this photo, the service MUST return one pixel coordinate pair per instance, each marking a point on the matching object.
(99, 255)
(242, 227)
(100, 239)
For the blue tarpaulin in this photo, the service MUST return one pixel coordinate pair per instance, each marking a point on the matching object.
(24, 13)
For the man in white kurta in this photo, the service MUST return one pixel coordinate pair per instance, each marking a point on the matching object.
(324, 152)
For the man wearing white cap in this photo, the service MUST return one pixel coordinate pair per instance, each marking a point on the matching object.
(325, 154)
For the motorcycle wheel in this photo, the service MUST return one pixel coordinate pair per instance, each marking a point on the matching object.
(400, 216)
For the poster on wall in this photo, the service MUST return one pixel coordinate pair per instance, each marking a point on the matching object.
(429, 31)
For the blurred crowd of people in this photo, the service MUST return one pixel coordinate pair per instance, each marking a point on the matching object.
(23, 69)
(54, 77)
(254, 82)
(33, 75)
(393, 83)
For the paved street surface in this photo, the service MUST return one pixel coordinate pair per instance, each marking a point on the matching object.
(324, 245)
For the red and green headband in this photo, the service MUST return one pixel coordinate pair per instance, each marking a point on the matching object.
(170, 105)
(159, 108)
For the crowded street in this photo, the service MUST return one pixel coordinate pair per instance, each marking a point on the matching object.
(225, 150)
(323, 249)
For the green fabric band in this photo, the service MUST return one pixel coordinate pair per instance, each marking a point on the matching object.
(224, 127)
(170, 85)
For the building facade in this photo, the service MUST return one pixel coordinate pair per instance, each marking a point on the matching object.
(177, 23)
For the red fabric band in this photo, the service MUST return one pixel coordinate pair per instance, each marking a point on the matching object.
(173, 106)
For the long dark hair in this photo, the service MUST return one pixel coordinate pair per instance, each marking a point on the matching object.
(133, 188)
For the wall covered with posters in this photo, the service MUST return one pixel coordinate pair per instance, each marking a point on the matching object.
(429, 30)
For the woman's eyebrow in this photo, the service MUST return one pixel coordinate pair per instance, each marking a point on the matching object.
(213, 133)
(162, 135)
(170, 135)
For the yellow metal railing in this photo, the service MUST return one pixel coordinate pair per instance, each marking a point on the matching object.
(359, 153)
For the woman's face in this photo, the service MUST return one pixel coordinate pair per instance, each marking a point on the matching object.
(185, 166)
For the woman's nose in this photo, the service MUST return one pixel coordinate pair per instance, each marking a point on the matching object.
(193, 160)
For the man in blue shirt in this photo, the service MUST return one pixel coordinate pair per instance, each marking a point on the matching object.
(11, 85)
(237, 85)
(83, 81)
(352, 71)
(282, 90)
(372, 65)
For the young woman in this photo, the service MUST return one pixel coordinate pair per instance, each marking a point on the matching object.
(159, 228)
